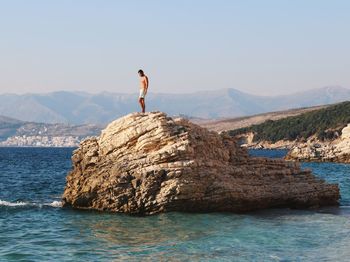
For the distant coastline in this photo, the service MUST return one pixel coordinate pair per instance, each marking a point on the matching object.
(16, 133)
(41, 141)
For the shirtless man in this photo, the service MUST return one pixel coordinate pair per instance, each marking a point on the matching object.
(143, 89)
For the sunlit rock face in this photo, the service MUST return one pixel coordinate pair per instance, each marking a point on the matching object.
(151, 163)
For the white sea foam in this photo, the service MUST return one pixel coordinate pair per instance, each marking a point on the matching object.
(55, 204)
(12, 204)
(19, 204)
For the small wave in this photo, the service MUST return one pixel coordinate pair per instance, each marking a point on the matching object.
(23, 204)
(275, 258)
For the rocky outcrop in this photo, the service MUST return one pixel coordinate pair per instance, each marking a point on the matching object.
(337, 150)
(247, 141)
(150, 163)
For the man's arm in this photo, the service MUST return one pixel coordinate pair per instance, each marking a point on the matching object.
(146, 87)
(147, 82)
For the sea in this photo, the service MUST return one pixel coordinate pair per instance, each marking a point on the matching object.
(34, 226)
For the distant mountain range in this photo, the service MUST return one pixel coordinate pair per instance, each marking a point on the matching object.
(86, 108)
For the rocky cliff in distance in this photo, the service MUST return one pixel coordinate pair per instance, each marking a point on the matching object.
(315, 135)
(337, 150)
(151, 163)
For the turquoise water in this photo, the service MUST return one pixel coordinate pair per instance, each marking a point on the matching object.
(33, 226)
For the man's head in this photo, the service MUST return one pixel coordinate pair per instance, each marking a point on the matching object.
(141, 73)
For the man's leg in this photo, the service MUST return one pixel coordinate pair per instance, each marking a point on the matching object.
(142, 104)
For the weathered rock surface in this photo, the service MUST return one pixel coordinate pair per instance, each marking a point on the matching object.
(333, 151)
(150, 163)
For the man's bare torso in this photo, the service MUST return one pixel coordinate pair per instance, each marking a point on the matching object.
(144, 82)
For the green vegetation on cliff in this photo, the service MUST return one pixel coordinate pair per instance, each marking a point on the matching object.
(325, 123)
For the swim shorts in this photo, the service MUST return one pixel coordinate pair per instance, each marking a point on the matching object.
(142, 93)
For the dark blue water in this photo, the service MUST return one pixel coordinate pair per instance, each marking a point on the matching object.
(34, 228)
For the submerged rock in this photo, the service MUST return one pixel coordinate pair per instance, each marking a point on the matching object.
(150, 163)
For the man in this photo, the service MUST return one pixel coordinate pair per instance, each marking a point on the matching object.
(143, 89)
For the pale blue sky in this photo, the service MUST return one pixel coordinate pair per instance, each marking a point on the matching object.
(263, 47)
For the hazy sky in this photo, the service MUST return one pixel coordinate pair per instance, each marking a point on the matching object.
(263, 47)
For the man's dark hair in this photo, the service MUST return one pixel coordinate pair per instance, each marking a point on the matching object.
(141, 72)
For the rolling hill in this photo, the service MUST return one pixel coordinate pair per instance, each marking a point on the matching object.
(324, 124)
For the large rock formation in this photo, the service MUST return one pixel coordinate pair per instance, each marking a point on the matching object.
(337, 150)
(150, 163)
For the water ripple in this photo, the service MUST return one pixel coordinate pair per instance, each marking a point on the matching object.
(32, 228)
